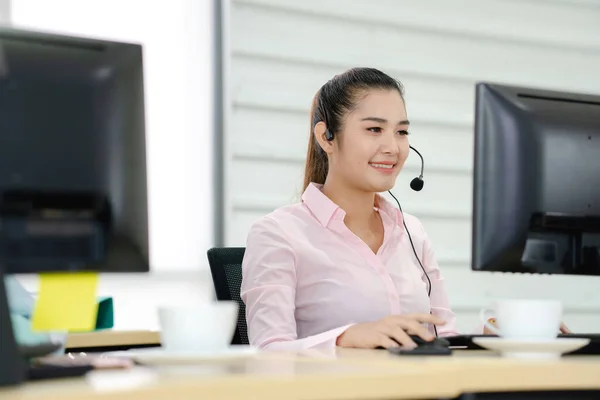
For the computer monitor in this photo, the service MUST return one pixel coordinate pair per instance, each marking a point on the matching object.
(73, 193)
(536, 193)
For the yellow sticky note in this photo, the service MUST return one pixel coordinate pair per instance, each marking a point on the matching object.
(66, 302)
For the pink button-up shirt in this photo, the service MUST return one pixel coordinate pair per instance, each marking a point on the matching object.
(307, 277)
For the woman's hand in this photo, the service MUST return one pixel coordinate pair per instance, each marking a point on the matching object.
(486, 330)
(388, 332)
(492, 321)
(564, 329)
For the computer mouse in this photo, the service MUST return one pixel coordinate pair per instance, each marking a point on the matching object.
(438, 342)
(435, 347)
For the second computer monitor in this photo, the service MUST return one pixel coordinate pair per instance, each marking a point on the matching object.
(536, 194)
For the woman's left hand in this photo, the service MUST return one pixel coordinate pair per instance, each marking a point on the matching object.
(564, 329)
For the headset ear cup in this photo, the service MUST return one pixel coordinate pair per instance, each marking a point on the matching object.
(328, 135)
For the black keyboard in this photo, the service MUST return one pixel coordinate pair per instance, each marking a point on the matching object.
(593, 348)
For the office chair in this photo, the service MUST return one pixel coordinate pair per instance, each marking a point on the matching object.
(226, 269)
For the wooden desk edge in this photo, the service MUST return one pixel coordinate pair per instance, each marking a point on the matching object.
(341, 382)
(357, 374)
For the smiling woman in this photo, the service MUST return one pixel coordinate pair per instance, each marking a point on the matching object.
(341, 268)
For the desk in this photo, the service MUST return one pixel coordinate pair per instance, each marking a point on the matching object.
(111, 340)
(340, 374)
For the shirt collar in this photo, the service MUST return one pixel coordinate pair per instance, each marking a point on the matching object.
(325, 210)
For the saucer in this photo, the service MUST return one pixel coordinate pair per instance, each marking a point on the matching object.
(162, 356)
(531, 348)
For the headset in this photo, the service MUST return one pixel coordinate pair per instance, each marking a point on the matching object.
(416, 184)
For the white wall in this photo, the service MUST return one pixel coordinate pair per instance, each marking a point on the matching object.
(282, 51)
(178, 58)
(4, 11)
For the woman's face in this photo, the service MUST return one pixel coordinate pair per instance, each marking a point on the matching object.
(373, 145)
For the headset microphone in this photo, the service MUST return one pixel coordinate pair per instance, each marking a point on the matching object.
(417, 183)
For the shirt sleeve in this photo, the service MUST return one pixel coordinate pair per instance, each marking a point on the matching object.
(269, 290)
(440, 303)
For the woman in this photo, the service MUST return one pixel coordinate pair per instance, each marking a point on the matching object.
(339, 267)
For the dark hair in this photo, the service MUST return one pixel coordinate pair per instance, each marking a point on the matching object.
(331, 103)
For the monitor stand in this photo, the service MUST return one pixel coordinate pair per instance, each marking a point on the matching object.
(12, 364)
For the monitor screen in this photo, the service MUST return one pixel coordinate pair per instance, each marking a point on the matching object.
(536, 204)
(73, 192)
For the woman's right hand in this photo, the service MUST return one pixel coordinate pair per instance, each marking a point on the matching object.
(391, 331)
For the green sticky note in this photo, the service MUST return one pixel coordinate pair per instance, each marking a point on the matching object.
(66, 302)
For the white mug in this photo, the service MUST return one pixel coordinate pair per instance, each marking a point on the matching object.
(201, 327)
(524, 319)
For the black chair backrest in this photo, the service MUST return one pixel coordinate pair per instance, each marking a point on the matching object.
(226, 269)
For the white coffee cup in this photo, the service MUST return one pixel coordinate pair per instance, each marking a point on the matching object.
(201, 327)
(524, 319)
